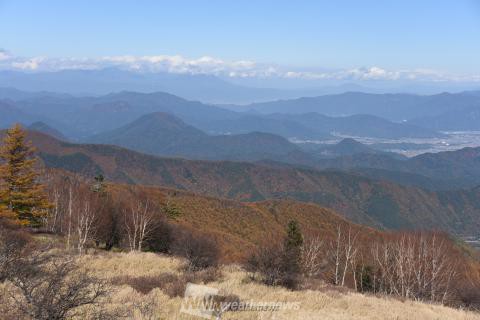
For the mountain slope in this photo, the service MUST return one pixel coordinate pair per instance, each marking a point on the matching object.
(361, 125)
(396, 107)
(45, 128)
(155, 133)
(376, 203)
(285, 127)
(460, 168)
(164, 134)
(315, 126)
(90, 115)
(345, 148)
(467, 119)
(11, 114)
(239, 227)
(10, 93)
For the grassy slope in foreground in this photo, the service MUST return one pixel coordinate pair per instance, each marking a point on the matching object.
(323, 304)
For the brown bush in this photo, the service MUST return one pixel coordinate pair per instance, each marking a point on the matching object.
(13, 245)
(171, 284)
(207, 275)
(53, 287)
(145, 284)
(467, 296)
(274, 267)
(110, 225)
(161, 240)
(200, 250)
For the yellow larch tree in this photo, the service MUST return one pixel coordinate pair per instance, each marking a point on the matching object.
(21, 194)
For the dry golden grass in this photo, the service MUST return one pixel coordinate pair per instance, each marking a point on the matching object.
(109, 265)
(324, 304)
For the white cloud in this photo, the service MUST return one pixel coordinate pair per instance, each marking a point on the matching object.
(30, 64)
(4, 55)
(214, 66)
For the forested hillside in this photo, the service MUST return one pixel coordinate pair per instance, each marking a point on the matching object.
(377, 203)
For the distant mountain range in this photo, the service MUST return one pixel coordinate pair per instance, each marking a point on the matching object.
(361, 125)
(80, 117)
(466, 119)
(166, 135)
(372, 202)
(166, 125)
(83, 116)
(206, 88)
(395, 107)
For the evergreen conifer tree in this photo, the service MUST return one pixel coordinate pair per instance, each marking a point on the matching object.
(292, 254)
(294, 239)
(20, 191)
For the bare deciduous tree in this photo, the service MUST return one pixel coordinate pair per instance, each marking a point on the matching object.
(342, 251)
(416, 266)
(75, 212)
(139, 224)
(350, 252)
(312, 256)
(200, 250)
(267, 261)
(70, 215)
(53, 287)
(84, 225)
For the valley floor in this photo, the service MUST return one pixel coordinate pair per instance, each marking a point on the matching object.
(322, 304)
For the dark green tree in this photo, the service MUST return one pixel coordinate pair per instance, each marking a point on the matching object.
(294, 239)
(99, 184)
(365, 279)
(292, 255)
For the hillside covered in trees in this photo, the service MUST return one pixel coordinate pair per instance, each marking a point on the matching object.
(374, 202)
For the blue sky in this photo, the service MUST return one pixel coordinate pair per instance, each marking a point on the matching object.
(441, 35)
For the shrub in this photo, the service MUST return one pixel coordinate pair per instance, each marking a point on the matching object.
(110, 225)
(12, 246)
(200, 250)
(467, 295)
(268, 262)
(207, 275)
(146, 284)
(53, 287)
(176, 288)
(161, 240)
(171, 210)
(280, 265)
(171, 284)
(365, 278)
(275, 266)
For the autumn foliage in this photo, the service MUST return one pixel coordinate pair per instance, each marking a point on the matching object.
(282, 242)
(21, 194)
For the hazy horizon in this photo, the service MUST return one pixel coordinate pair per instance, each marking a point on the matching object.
(267, 44)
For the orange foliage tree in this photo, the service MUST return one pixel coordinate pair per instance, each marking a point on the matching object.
(21, 193)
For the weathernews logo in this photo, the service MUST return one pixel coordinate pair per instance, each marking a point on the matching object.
(205, 302)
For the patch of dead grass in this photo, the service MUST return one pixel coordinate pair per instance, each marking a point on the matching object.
(314, 304)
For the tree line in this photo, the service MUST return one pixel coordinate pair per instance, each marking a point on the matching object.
(416, 265)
